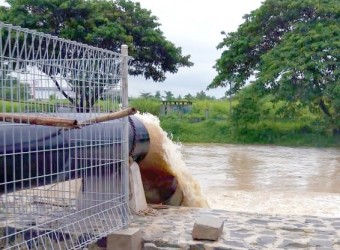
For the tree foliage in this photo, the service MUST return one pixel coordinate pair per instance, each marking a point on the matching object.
(203, 96)
(145, 95)
(169, 96)
(104, 24)
(158, 95)
(292, 47)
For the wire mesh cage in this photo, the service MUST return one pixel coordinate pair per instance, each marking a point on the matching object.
(62, 186)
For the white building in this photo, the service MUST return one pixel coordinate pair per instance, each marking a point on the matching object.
(41, 85)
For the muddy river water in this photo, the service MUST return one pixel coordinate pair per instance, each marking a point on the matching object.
(267, 179)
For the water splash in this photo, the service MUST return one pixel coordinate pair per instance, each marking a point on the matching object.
(164, 172)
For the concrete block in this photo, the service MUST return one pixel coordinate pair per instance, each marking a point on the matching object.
(125, 239)
(137, 201)
(207, 228)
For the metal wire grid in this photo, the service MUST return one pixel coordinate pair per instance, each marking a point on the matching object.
(60, 188)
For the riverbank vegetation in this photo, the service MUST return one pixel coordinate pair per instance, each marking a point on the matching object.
(243, 119)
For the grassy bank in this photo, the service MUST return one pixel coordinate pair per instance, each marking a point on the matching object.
(220, 131)
(212, 121)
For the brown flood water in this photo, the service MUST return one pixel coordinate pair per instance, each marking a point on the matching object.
(267, 178)
(254, 168)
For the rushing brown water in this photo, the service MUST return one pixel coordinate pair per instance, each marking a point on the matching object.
(267, 179)
(164, 174)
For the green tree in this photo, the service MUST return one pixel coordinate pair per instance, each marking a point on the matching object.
(188, 97)
(145, 95)
(104, 24)
(293, 49)
(169, 96)
(203, 96)
(247, 110)
(158, 95)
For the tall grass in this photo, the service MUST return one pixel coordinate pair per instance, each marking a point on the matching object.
(212, 122)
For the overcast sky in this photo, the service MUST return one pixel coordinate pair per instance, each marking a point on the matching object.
(196, 27)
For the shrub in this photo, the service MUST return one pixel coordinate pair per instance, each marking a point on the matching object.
(149, 105)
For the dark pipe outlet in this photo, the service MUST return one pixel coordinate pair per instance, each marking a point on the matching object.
(139, 140)
(34, 155)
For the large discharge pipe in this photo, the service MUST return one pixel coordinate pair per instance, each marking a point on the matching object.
(36, 155)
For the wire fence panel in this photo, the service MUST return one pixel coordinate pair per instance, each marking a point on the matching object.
(62, 185)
